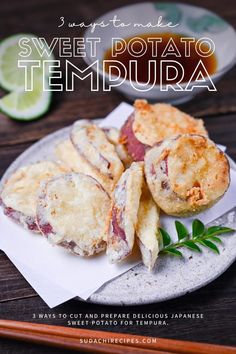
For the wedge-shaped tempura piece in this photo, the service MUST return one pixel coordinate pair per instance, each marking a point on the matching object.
(147, 228)
(123, 214)
(92, 145)
(72, 212)
(19, 193)
(113, 135)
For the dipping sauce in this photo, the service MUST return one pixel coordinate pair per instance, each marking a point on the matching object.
(152, 46)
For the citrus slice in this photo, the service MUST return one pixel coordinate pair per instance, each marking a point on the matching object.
(27, 105)
(12, 77)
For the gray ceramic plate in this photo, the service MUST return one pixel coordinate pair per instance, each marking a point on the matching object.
(171, 277)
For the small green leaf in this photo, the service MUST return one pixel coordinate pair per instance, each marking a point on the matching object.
(226, 229)
(166, 239)
(182, 232)
(216, 239)
(173, 251)
(218, 230)
(192, 246)
(197, 228)
(210, 245)
(212, 229)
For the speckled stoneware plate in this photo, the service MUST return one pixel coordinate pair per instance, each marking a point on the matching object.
(171, 277)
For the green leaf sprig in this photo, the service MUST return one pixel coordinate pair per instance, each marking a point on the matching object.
(201, 236)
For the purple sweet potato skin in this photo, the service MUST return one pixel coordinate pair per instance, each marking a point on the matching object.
(117, 247)
(118, 231)
(135, 148)
(46, 229)
(17, 216)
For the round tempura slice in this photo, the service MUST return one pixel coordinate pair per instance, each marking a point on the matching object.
(72, 212)
(123, 214)
(186, 174)
(150, 124)
(19, 193)
(94, 148)
(147, 228)
(135, 149)
(67, 154)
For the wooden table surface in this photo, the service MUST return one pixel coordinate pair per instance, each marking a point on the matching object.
(17, 299)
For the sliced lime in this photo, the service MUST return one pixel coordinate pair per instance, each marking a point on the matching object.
(26, 105)
(12, 77)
